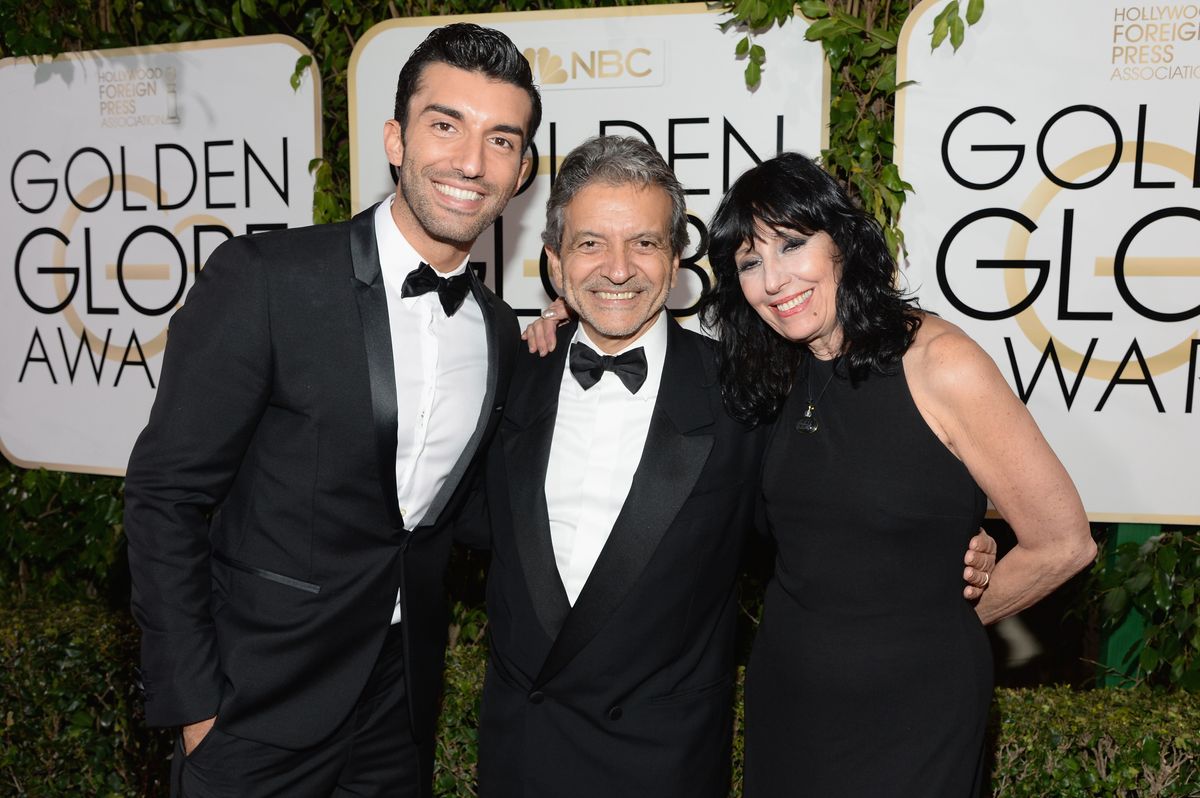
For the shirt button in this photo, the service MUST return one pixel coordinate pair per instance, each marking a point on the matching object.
(536, 697)
(615, 713)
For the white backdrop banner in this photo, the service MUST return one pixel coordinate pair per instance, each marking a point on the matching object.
(1056, 221)
(664, 73)
(125, 169)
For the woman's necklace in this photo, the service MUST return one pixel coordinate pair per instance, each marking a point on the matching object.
(808, 424)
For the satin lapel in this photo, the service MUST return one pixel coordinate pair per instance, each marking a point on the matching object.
(377, 334)
(498, 347)
(677, 446)
(526, 438)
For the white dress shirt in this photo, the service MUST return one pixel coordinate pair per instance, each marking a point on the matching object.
(599, 436)
(441, 368)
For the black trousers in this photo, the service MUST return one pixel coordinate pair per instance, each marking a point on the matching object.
(372, 754)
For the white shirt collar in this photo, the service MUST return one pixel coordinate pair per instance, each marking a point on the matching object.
(396, 255)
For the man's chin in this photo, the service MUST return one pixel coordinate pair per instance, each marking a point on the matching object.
(613, 330)
(460, 235)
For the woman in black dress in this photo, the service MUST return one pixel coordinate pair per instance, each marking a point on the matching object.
(871, 675)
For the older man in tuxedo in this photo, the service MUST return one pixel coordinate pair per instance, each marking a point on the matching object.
(619, 492)
(323, 397)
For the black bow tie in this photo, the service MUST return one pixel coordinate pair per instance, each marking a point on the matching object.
(450, 290)
(589, 366)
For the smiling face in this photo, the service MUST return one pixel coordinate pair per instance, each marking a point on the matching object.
(615, 266)
(459, 159)
(791, 279)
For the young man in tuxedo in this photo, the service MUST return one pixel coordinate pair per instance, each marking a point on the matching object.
(619, 493)
(322, 401)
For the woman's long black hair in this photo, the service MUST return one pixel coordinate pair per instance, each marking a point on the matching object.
(758, 366)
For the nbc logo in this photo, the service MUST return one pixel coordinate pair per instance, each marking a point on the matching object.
(547, 66)
(577, 65)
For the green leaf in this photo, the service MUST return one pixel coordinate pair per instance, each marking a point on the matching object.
(814, 9)
(1168, 557)
(1162, 594)
(957, 31)
(823, 28)
(865, 136)
(743, 47)
(1115, 603)
(758, 54)
(893, 244)
(891, 178)
(893, 202)
(753, 74)
(837, 47)
(886, 38)
(760, 13)
(302, 63)
(1140, 580)
(974, 11)
(249, 8)
(318, 29)
(941, 24)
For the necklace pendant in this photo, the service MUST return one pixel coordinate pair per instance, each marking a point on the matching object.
(808, 424)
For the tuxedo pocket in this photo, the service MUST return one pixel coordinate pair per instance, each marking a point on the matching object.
(698, 693)
(270, 576)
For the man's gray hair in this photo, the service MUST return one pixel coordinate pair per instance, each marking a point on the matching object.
(614, 161)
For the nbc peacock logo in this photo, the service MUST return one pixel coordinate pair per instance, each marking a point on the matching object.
(580, 64)
(546, 65)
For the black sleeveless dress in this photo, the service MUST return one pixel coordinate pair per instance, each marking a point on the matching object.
(871, 675)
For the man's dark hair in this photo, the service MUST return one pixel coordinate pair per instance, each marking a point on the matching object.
(473, 48)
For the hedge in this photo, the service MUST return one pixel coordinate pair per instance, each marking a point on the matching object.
(60, 537)
(72, 726)
(71, 722)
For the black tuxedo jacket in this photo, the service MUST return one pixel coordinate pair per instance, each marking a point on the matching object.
(629, 692)
(265, 540)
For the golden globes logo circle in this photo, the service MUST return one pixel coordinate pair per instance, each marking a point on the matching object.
(1120, 267)
(1141, 252)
